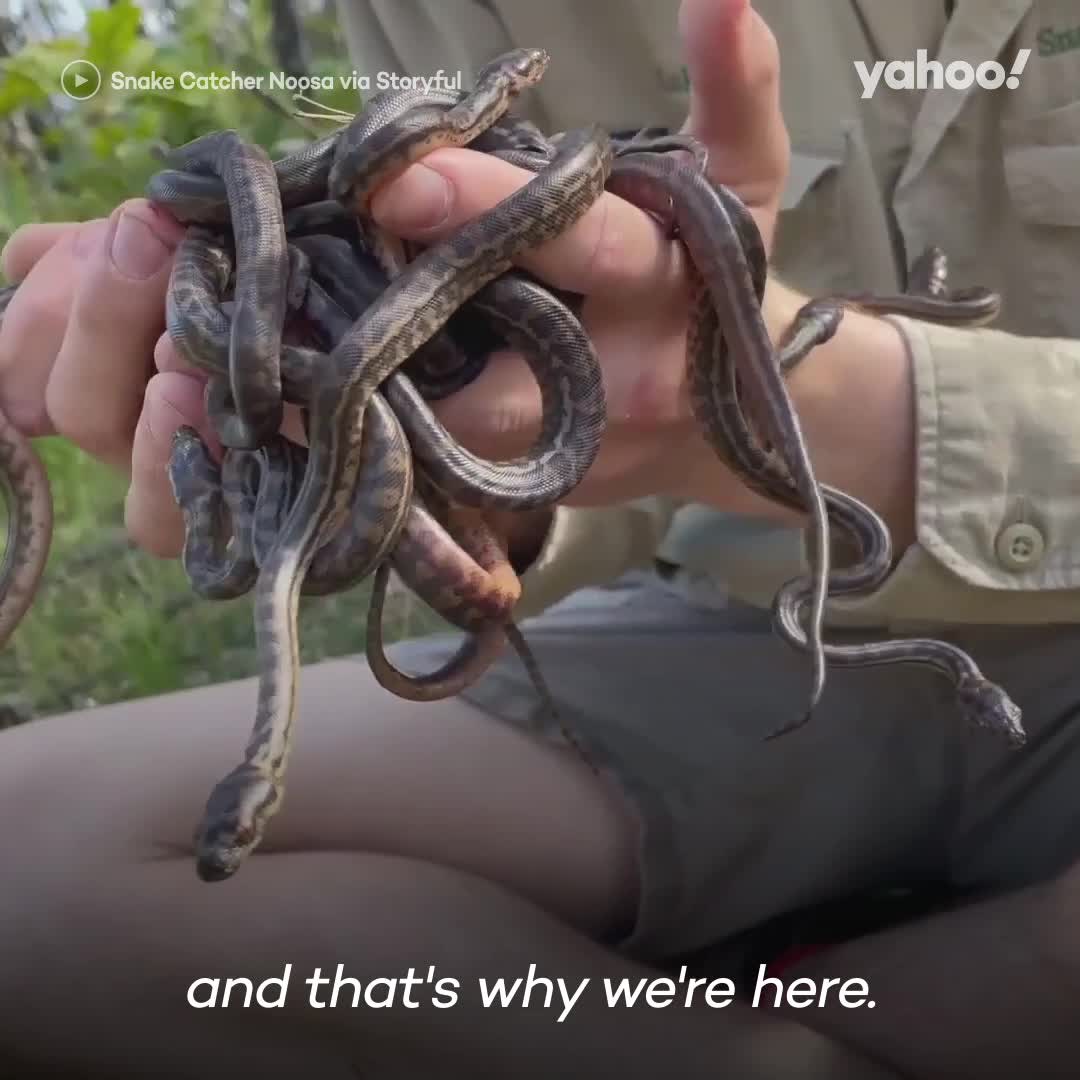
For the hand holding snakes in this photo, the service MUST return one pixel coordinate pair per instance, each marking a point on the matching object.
(273, 246)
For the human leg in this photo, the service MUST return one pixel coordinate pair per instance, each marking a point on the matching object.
(103, 924)
(887, 788)
(447, 834)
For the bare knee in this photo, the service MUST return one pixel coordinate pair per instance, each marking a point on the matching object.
(441, 783)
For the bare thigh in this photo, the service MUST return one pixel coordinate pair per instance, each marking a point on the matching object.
(440, 782)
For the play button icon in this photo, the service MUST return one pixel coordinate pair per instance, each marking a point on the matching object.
(80, 80)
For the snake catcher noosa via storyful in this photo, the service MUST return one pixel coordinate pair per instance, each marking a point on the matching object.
(284, 292)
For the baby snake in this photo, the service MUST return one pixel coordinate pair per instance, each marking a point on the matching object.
(28, 499)
(727, 253)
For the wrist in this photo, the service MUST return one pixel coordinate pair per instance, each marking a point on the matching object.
(854, 399)
(708, 480)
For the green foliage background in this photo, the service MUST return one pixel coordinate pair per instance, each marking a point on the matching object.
(111, 622)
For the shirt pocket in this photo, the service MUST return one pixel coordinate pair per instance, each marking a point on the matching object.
(807, 252)
(807, 168)
(1042, 166)
(834, 230)
(1041, 160)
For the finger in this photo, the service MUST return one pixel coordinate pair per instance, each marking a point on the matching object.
(734, 68)
(152, 518)
(28, 244)
(168, 358)
(95, 394)
(35, 322)
(614, 250)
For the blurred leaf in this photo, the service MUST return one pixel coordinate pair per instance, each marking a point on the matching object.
(111, 34)
(32, 75)
(19, 89)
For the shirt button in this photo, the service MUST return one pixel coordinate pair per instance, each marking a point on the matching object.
(1019, 546)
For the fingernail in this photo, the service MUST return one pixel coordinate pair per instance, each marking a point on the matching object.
(419, 199)
(137, 251)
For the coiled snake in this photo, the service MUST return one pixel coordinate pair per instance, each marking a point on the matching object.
(28, 501)
(276, 246)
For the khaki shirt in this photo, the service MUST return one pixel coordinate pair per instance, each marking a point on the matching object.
(992, 176)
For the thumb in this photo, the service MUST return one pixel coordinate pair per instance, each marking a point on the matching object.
(734, 68)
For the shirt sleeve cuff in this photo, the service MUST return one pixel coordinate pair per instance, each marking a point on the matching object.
(997, 484)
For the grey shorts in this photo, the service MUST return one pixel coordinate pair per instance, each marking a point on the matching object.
(885, 788)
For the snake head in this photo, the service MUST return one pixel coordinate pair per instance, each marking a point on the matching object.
(519, 67)
(987, 705)
(193, 473)
(232, 826)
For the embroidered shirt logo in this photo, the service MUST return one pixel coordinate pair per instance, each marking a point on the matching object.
(1053, 42)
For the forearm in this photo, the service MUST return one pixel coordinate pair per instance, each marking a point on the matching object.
(854, 400)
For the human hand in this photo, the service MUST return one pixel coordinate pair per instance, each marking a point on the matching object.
(76, 340)
(77, 344)
(632, 276)
(616, 257)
